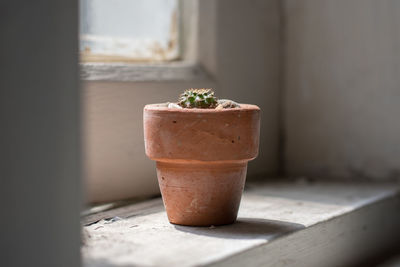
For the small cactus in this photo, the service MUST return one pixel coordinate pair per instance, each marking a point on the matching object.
(198, 98)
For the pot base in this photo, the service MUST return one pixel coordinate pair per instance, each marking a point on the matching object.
(201, 193)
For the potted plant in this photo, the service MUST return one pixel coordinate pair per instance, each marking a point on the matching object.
(201, 146)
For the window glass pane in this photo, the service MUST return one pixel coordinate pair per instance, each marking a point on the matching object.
(137, 30)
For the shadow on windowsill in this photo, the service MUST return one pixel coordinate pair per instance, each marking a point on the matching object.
(245, 228)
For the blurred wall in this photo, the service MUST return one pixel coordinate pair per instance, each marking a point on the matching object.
(342, 89)
(40, 173)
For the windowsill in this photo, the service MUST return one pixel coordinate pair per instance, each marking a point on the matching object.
(142, 72)
(309, 223)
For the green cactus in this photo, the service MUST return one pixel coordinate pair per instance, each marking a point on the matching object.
(198, 98)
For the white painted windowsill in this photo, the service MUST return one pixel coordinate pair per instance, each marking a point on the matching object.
(279, 224)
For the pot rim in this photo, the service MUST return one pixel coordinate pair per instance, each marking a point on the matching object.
(160, 107)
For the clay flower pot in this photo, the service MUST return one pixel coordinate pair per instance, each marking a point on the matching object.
(201, 157)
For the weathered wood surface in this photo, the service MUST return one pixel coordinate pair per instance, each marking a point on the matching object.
(310, 224)
(126, 72)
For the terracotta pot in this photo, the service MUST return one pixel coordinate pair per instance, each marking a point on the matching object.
(201, 157)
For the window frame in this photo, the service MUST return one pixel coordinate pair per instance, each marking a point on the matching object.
(185, 68)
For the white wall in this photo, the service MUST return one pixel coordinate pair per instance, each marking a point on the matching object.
(342, 88)
(340, 83)
(248, 69)
(116, 166)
